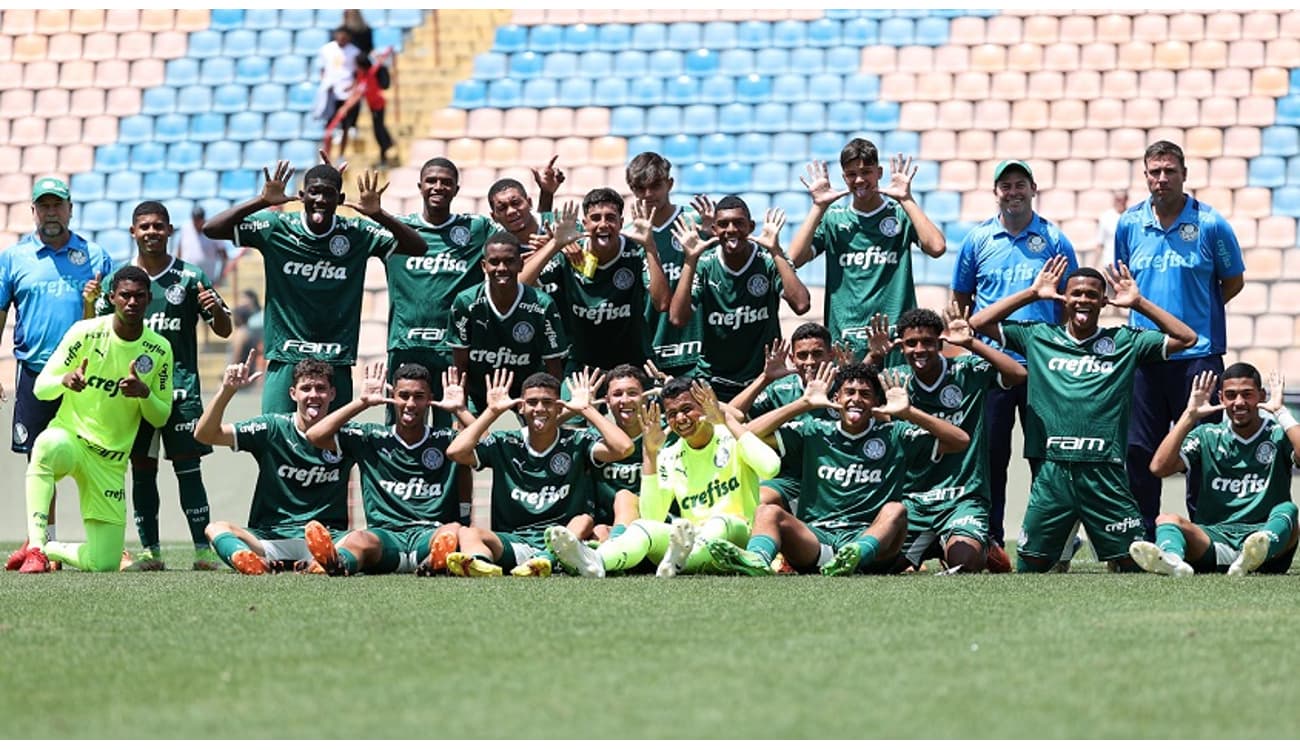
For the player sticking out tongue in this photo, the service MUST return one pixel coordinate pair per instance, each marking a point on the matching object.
(321, 195)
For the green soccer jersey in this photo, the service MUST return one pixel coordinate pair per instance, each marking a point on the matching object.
(608, 479)
(1241, 479)
(403, 485)
(675, 349)
(174, 313)
(100, 415)
(719, 479)
(738, 313)
(868, 267)
(1080, 392)
(848, 478)
(421, 289)
(296, 481)
(957, 397)
(519, 339)
(603, 314)
(314, 283)
(784, 392)
(533, 491)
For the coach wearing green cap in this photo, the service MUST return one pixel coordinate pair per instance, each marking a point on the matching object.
(45, 276)
(999, 257)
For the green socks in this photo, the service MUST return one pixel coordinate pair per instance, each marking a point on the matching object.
(144, 496)
(1280, 525)
(194, 500)
(226, 545)
(349, 561)
(629, 548)
(764, 546)
(1169, 538)
(868, 546)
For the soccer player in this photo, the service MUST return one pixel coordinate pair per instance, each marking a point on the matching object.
(407, 485)
(44, 276)
(735, 291)
(180, 294)
(603, 297)
(947, 501)
(1246, 520)
(1001, 256)
(504, 324)
(111, 371)
(615, 484)
(541, 474)
(315, 269)
(296, 481)
(1080, 378)
(711, 474)
(1185, 258)
(868, 245)
(512, 209)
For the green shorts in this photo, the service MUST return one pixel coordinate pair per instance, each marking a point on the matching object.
(519, 548)
(1095, 494)
(177, 436)
(101, 481)
(832, 539)
(1225, 544)
(928, 524)
(787, 488)
(279, 379)
(437, 363)
(402, 549)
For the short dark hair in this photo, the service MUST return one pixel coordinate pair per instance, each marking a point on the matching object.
(414, 371)
(647, 168)
(541, 380)
(1164, 148)
(919, 317)
(731, 203)
(1086, 272)
(675, 387)
(325, 173)
(147, 208)
(313, 368)
(443, 162)
(502, 185)
(599, 196)
(626, 371)
(1242, 370)
(134, 274)
(503, 237)
(811, 331)
(860, 371)
(859, 149)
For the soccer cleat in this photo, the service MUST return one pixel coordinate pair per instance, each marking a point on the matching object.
(573, 554)
(732, 559)
(1254, 551)
(442, 544)
(845, 562)
(321, 546)
(249, 563)
(680, 540)
(464, 566)
(997, 560)
(16, 558)
(206, 559)
(313, 569)
(146, 562)
(35, 562)
(782, 567)
(538, 567)
(1154, 560)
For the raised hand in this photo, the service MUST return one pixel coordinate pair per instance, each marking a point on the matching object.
(958, 331)
(770, 238)
(878, 340)
(375, 389)
(582, 385)
(896, 400)
(453, 391)
(640, 230)
(1048, 280)
(703, 206)
(132, 386)
(566, 227)
(900, 178)
(687, 234)
(369, 194)
(325, 159)
(819, 187)
(652, 429)
(775, 360)
(817, 389)
(703, 394)
(75, 381)
(498, 391)
(1126, 289)
(842, 354)
(658, 376)
(1276, 385)
(548, 178)
(208, 299)
(92, 290)
(1198, 400)
(275, 190)
(239, 375)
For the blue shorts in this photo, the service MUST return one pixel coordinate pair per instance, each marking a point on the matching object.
(31, 415)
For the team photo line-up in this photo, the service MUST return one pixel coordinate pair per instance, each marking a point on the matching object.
(658, 420)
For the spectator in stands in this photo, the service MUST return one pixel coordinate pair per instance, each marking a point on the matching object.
(208, 254)
(248, 327)
(362, 36)
(1106, 224)
(373, 79)
(337, 62)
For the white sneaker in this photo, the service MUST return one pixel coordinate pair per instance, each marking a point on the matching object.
(1254, 551)
(680, 541)
(573, 554)
(1151, 559)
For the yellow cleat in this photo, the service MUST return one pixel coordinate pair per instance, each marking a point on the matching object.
(538, 567)
(464, 566)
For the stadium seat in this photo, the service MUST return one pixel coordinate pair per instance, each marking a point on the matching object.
(510, 38)
(231, 98)
(717, 148)
(579, 37)
(702, 62)
(237, 184)
(942, 205)
(595, 64)
(900, 142)
(504, 93)
(469, 94)
(545, 38)
(204, 44)
(269, 97)
(163, 182)
(226, 19)
(862, 87)
(772, 62)
(117, 243)
(681, 148)
(756, 35)
(207, 127)
(222, 155)
(282, 126)
(302, 18)
(524, 65)
(881, 115)
(613, 37)
(258, 154)
(719, 36)
(735, 118)
(789, 34)
(694, 178)
(771, 117)
(490, 65)
(732, 177)
(275, 43)
(97, 215)
(147, 157)
(753, 148)
(1267, 171)
(610, 91)
(1286, 201)
(754, 89)
(261, 18)
(717, 89)
(540, 93)
(807, 61)
(790, 147)
(826, 145)
(194, 99)
(808, 117)
(736, 63)
(643, 143)
(932, 31)
(123, 186)
(182, 71)
(663, 120)
(699, 119)
(646, 91)
(788, 88)
(665, 63)
(87, 186)
(575, 92)
(300, 152)
(292, 69)
(824, 32)
(112, 157)
(860, 32)
(682, 89)
(1280, 140)
(199, 184)
(135, 129)
(250, 71)
(159, 100)
(218, 70)
(184, 156)
(405, 18)
(1288, 110)
(562, 65)
(684, 35)
(627, 121)
(649, 36)
(631, 63)
(769, 177)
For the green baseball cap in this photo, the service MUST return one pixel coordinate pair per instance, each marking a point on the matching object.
(1012, 164)
(50, 186)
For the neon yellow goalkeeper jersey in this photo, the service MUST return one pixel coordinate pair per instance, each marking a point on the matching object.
(719, 479)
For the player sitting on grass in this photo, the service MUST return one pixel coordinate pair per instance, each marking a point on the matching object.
(854, 469)
(1245, 520)
(948, 501)
(1080, 391)
(408, 487)
(541, 473)
(296, 481)
(712, 475)
(615, 484)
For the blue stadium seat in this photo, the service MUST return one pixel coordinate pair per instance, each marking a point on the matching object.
(192, 100)
(646, 90)
(303, 18)
(771, 117)
(250, 71)
(900, 142)
(576, 92)
(694, 178)
(1295, 80)
(168, 128)
(405, 18)
(239, 43)
(330, 18)
(200, 183)
(269, 97)
(756, 201)
(231, 98)
(719, 35)
(610, 92)
(932, 31)
(789, 88)
(1292, 170)
(135, 129)
(808, 117)
(1288, 110)
(936, 271)
(824, 32)
(718, 89)
(927, 176)
(649, 36)
(753, 89)
(524, 65)
(791, 147)
(308, 42)
(735, 118)
(897, 32)
(860, 32)
(213, 206)
(97, 215)
(222, 155)
(217, 70)
(843, 60)
(700, 119)
(184, 156)
(954, 233)
(579, 37)
(261, 18)
(87, 186)
(862, 87)
(1286, 201)
(826, 87)
(663, 120)
(877, 13)
(736, 62)
(702, 62)
(204, 44)
(941, 205)
(146, 157)
(795, 203)
(631, 63)
(164, 182)
(755, 35)
(807, 61)
(613, 37)
(226, 19)
(182, 71)
(510, 38)
(504, 93)
(561, 65)
(680, 148)
(207, 127)
(117, 243)
(111, 157)
(123, 186)
(772, 62)
(627, 121)
(717, 148)
(768, 177)
(732, 177)
(881, 115)
(545, 38)
(158, 100)
(665, 62)
(389, 36)
(684, 35)
(311, 129)
(841, 14)
(291, 69)
(300, 152)
(541, 92)
(283, 126)
(260, 154)
(789, 34)
(826, 145)
(681, 90)
(301, 98)
(753, 148)
(639, 144)
(1267, 171)
(593, 64)
(273, 43)
(237, 184)
(469, 94)
(248, 126)
(1280, 140)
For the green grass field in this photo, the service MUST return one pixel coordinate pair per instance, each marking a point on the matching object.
(217, 655)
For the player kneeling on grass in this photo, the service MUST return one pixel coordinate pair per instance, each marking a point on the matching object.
(296, 481)
(615, 485)
(1245, 519)
(408, 487)
(541, 473)
(712, 473)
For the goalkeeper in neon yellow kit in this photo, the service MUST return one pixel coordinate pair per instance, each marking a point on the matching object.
(110, 371)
